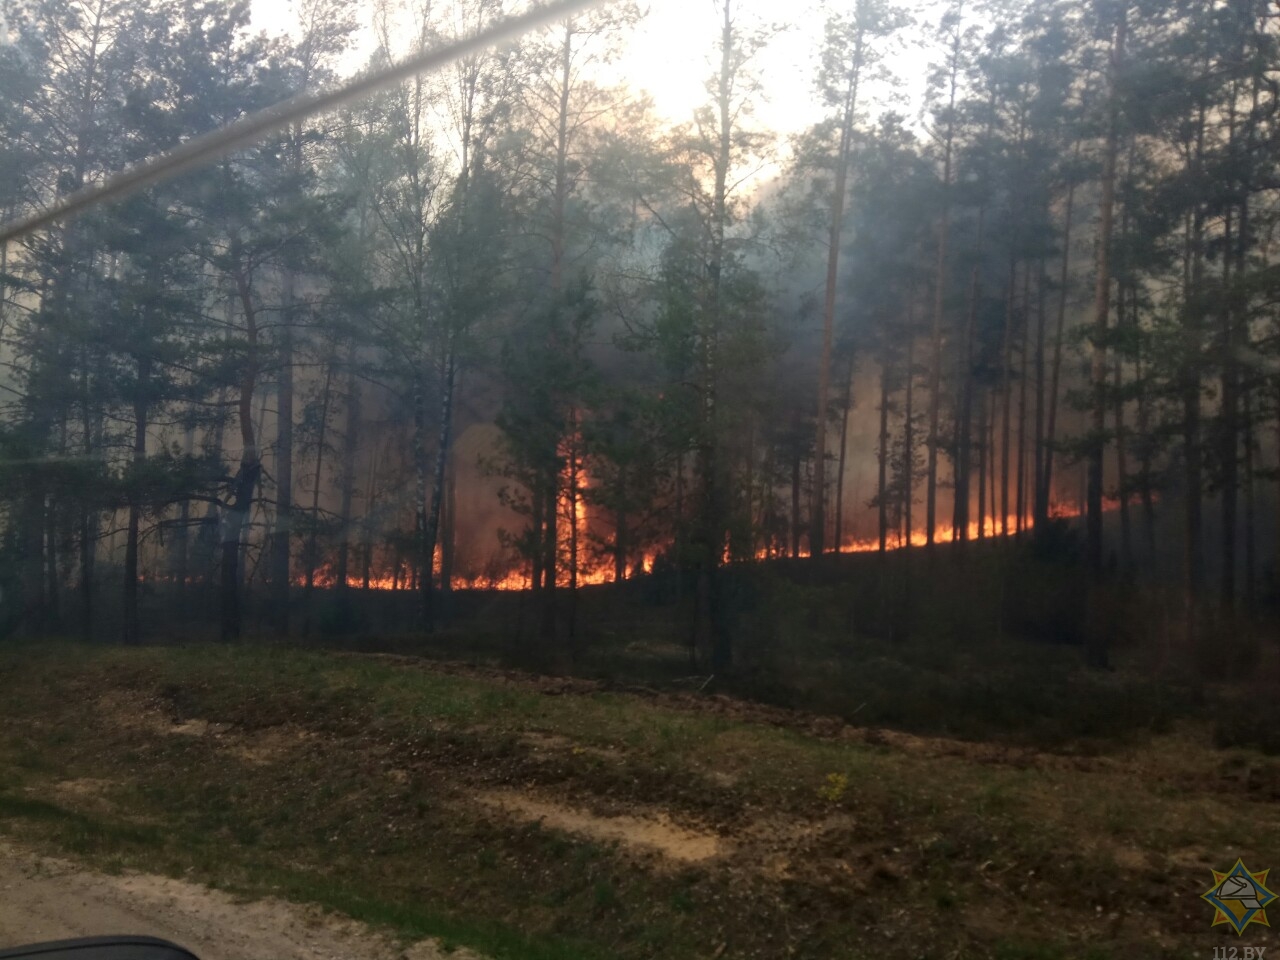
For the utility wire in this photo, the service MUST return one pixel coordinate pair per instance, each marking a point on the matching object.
(248, 129)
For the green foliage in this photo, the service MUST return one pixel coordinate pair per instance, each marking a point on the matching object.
(833, 789)
(989, 650)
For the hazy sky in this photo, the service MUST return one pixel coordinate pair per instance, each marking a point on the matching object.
(667, 55)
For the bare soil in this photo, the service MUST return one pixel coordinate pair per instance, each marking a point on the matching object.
(642, 834)
(43, 898)
(539, 818)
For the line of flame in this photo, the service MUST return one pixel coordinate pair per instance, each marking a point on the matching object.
(603, 572)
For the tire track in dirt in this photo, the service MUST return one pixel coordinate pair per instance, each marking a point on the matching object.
(42, 898)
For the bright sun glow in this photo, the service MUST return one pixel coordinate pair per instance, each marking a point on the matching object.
(668, 56)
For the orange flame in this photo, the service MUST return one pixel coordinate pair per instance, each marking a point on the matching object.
(578, 517)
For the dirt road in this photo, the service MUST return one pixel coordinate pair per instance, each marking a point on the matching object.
(47, 899)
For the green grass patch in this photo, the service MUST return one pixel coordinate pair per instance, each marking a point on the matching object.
(353, 783)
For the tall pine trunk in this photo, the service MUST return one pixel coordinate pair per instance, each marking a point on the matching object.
(714, 518)
(1006, 394)
(1039, 507)
(130, 627)
(1146, 485)
(1190, 388)
(448, 534)
(181, 562)
(1055, 376)
(908, 431)
(575, 493)
(313, 535)
(818, 522)
(797, 525)
(1098, 368)
(1229, 443)
(350, 447)
(983, 453)
(1020, 499)
(444, 441)
(89, 522)
(282, 536)
(246, 478)
(964, 416)
(939, 295)
(882, 458)
(1122, 451)
(846, 405)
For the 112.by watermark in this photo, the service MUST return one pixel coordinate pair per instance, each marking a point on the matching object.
(1239, 953)
(1239, 898)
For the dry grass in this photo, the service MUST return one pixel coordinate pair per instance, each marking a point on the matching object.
(358, 783)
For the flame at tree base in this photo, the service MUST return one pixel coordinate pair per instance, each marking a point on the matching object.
(603, 572)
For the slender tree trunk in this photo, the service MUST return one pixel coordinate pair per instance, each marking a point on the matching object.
(181, 566)
(939, 296)
(432, 536)
(1006, 395)
(574, 494)
(1039, 506)
(1193, 575)
(89, 523)
(131, 632)
(1021, 497)
(846, 404)
(908, 431)
(350, 448)
(31, 561)
(282, 538)
(1275, 584)
(964, 416)
(246, 479)
(935, 366)
(882, 457)
(449, 534)
(538, 528)
(1101, 311)
(249, 573)
(559, 199)
(421, 464)
(620, 546)
(52, 554)
(1241, 340)
(1229, 452)
(818, 522)
(1064, 274)
(795, 502)
(714, 519)
(550, 555)
(1247, 426)
(1250, 509)
(1146, 447)
(38, 517)
(982, 465)
(209, 536)
(313, 547)
(680, 533)
(1122, 460)
(370, 519)
(991, 459)
(768, 502)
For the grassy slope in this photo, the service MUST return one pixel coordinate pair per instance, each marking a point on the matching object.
(352, 782)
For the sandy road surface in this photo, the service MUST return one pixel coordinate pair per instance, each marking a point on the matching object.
(47, 899)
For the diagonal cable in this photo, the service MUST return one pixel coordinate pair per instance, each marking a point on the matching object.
(248, 129)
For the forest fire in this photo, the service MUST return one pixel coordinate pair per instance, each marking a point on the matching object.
(343, 341)
(634, 384)
(599, 571)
